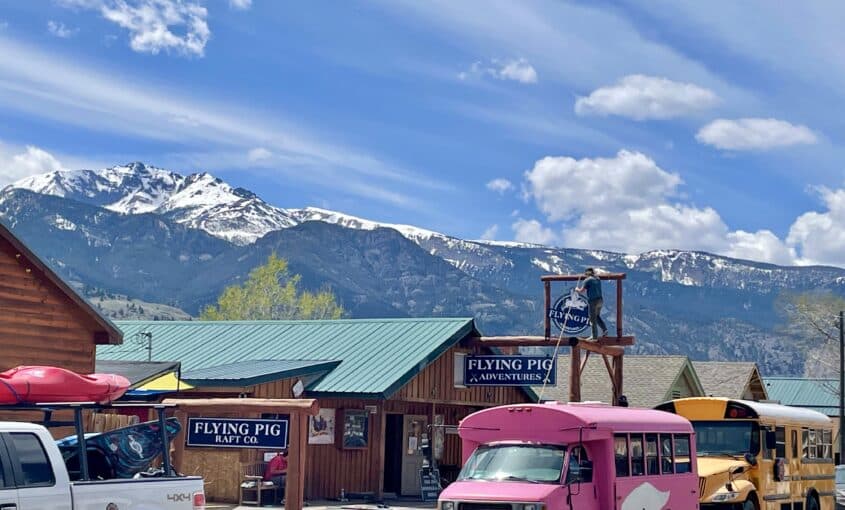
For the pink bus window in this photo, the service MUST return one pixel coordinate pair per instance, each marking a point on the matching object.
(620, 454)
(682, 454)
(651, 454)
(666, 464)
(637, 455)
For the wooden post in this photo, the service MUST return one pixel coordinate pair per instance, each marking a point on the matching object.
(547, 303)
(377, 462)
(178, 441)
(618, 308)
(617, 379)
(297, 449)
(575, 375)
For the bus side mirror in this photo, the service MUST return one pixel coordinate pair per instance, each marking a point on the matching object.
(771, 440)
(752, 460)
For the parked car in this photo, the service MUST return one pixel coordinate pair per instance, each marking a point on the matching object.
(840, 487)
(33, 476)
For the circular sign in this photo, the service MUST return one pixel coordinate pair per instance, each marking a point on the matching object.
(571, 313)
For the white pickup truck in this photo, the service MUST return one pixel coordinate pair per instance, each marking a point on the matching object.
(33, 476)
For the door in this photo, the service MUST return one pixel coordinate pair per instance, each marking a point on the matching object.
(393, 446)
(414, 427)
(580, 490)
(8, 492)
(38, 486)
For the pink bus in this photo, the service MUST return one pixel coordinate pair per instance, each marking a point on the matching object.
(574, 457)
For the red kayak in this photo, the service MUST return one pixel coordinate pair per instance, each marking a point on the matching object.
(31, 385)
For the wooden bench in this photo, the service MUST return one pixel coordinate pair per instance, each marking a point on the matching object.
(257, 495)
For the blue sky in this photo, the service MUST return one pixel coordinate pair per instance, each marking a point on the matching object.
(606, 125)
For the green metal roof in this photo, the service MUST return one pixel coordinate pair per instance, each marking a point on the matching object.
(378, 356)
(247, 373)
(818, 394)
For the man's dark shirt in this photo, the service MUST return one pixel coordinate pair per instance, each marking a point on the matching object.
(593, 287)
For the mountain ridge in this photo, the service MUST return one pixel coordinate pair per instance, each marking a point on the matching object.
(161, 237)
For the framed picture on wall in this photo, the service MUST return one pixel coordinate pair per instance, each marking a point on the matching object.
(321, 427)
(355, 429)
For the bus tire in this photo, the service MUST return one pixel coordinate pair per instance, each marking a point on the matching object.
(812, 503)
(751, 503)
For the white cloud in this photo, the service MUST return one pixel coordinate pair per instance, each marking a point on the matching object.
(629, 204)
(511, 69)
(259, 154)
(177, 26)
(754, 134)
(500, 185)
(490, 233)
(240, 4)
(642, 97)
(32, 161)
(820, 236)
(532, 231)
(59, 29)
(762, 245)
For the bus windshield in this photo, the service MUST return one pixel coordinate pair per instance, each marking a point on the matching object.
(726, 437)
(515, 463)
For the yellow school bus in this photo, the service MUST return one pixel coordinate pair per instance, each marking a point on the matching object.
(754, 455)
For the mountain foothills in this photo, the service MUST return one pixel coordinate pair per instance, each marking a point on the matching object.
(136, 238)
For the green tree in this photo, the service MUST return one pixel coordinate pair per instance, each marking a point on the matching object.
(812, 321)
(271, 293)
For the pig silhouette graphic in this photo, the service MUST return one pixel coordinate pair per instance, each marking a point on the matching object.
(645, 497)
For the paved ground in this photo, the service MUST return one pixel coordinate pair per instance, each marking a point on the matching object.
(335, 505)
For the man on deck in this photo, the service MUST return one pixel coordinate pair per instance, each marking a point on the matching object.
(592, 287)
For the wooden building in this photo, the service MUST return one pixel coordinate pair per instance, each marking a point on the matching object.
(43, 321)
(387, 380)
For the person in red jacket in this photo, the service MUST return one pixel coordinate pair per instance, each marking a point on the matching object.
(276, 471)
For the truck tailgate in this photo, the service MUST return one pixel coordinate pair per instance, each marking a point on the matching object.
(137, 494)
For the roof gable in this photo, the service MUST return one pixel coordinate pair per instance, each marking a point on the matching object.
(110, 334)
(647, 380)
(378, 355)
(730, 379)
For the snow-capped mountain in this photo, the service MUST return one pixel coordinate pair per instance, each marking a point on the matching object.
(198, 200)
(161, 237)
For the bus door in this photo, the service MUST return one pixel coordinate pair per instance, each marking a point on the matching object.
(580, 489)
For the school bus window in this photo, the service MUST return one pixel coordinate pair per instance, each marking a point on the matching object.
(794, 439)
(812, 444)
(780, 442)
(651, 454)
(666, 456)
(637, 456)
(682, 455)
(805, 444)
(620, 453)
(766, 448)
(827, 446)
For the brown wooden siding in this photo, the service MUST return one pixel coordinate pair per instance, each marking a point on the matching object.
(39, 324)
(436, 384)
(330, 468)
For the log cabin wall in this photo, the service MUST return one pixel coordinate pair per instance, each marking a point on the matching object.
(40, 324)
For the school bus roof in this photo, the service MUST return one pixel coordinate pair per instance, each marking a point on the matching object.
(716, 408)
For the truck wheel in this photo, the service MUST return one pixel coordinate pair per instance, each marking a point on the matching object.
(812, 503)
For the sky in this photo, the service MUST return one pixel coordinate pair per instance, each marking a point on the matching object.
(622, 126)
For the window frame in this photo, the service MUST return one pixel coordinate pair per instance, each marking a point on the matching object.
(17, 466)
(793, 436)
(641, 438)
(780, 453)
(661, 462)
(649, 437)
(688, 463)
(627, 439)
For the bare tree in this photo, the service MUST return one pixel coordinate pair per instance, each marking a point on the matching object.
(813, 322)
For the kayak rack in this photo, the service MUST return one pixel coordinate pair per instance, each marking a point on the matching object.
(48, 408)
